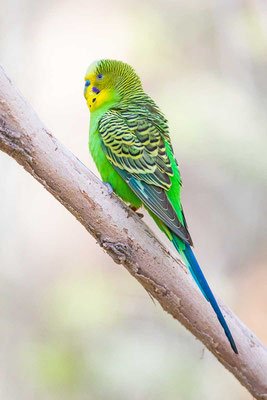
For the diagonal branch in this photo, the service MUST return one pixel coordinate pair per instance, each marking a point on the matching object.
(126, 238)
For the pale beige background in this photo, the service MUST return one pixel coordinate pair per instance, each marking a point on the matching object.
(73, 324)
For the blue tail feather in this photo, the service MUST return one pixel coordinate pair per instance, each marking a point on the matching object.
(198, 276)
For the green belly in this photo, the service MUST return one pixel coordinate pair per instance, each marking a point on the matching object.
(109, 174)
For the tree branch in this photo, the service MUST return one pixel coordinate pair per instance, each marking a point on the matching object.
(126, 238)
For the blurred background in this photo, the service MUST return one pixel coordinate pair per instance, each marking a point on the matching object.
(73, 324)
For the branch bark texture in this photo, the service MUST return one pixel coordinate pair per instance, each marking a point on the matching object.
(126, 238)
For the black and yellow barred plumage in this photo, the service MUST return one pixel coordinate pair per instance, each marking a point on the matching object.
(134, 141)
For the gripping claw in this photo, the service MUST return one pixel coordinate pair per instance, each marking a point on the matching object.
(110, 189)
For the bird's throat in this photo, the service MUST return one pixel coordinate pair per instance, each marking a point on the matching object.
(101, 101)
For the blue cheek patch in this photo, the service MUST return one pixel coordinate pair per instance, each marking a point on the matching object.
(87, 83)
(95, 90)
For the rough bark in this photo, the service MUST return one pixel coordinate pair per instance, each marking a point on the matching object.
(126, 238)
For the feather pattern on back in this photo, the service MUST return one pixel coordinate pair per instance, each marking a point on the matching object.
(134, 140)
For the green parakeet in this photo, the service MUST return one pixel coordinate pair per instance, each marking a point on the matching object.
(131, 147)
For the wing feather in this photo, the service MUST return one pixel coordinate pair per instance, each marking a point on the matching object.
(134, 143)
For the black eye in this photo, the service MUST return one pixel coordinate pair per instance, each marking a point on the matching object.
(99, 76)
(87, 83)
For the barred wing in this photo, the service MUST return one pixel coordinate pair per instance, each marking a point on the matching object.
(135, 147)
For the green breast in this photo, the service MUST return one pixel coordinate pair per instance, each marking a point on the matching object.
(108, 173)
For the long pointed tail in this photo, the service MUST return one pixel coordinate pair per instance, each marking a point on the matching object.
(197, 274)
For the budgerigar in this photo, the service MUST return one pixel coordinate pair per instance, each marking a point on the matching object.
(131, 147)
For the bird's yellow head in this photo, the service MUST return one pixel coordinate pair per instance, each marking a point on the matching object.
(108, 82)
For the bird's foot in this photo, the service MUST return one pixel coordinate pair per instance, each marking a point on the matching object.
(109, 187)
(140, 215)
